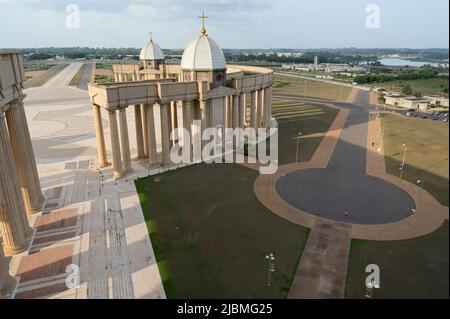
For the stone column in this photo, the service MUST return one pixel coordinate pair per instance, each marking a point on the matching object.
(151, 136)
(253, 103)
(115, 145)
(230, 111)
(139, 132)
(24, 157)
(14, 227)
(101, 149)
(144, 111)
(7, 283)
(204, 118)
(124, 142)
(242, 111)
(236, 109)
(267, 110)
(165, 134)
(185, 109)
(174, 118)
(204, 114)
(259, 108)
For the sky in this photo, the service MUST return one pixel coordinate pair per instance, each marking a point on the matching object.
(303, 24)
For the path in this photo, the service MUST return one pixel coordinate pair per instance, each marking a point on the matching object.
(63, 78)
(322, 271)
(323, 267)
(90, 220)
(351, 196)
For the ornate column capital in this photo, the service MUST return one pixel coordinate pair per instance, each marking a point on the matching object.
(17, 102)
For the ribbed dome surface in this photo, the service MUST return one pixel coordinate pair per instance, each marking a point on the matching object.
(203, 53)
(151, 51)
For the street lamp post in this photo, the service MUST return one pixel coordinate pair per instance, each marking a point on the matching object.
(271, 263)
(298, 140)
(402, 167)
(421, 183)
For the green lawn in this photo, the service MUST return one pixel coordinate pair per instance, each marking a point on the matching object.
(414, 268)
(76, 79)
(101, 79)
(104, 66)
(295, 86)
(211, 234)
(50, 75)
(312, 120)
(427, 152)
(426, 87)
(37, 66)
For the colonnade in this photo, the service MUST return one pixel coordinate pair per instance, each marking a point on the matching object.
(173, 114)
(20, 189)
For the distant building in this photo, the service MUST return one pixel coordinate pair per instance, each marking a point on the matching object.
(408, 102)
(438, 100)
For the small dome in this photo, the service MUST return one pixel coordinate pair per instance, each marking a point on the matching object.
(203, 53)
(151, 51)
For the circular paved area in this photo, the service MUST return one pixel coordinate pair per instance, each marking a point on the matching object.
(366, 199)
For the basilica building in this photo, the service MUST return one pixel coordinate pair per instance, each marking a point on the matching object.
(168, 96)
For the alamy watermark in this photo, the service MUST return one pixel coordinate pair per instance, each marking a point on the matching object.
(373, 17)
(73, 277)
(226, 145)
(72, 16)
(373, 279)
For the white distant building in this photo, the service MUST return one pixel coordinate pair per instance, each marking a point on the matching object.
(408, 102)
(438, 100)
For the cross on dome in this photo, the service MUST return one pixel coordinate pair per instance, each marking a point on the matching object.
(203, 17)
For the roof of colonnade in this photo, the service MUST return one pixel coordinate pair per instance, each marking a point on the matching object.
(123, 94)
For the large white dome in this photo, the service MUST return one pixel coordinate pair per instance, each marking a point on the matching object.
(203, 54)
(151, 51)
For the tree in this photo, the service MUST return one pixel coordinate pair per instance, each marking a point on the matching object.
(407, 89)
(418, 94)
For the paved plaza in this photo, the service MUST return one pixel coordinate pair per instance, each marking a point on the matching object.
(342, 191)
(89, 220)
(354, 135)
(95, 222)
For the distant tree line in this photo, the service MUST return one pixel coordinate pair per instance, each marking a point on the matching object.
(324, 57)
(426, 72)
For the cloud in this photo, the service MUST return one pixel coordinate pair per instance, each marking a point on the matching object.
(232, 23)
(141, 10)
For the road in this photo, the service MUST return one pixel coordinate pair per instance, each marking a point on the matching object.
(342, 191)
(428, 115)
(361, 87)
(63, 78)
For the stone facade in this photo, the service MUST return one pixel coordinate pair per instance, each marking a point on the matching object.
(224, 105)
(234, 97)
(20, 189)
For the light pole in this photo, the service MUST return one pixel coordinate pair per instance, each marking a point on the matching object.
(421, 184)
(402, 167)
(298, 140)
(271, 263)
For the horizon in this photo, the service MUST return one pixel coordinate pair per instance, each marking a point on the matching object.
(248, 48)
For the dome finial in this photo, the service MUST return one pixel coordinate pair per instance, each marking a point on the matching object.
(203, 17)
(150, 39)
